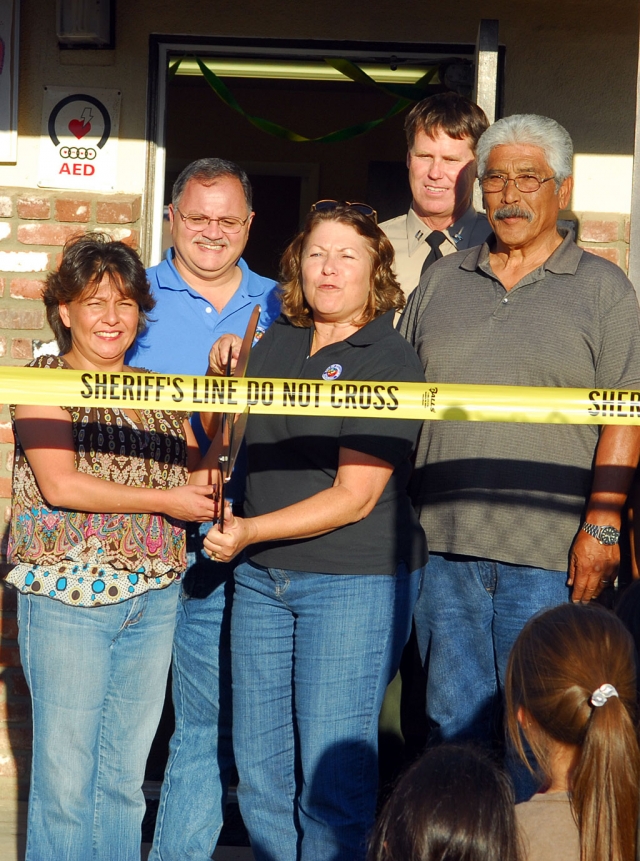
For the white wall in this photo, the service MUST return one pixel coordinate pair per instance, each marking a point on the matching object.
(574, 60)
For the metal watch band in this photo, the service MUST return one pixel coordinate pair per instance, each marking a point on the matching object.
(603, 534)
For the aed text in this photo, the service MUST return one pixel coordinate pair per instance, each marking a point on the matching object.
(614, 403)
(139, 388)
(77, 169)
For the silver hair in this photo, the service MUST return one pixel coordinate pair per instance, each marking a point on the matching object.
(206, 170)
(532, 130)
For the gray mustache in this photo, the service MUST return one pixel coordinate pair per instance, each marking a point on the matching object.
(199, 240)
(512, 212)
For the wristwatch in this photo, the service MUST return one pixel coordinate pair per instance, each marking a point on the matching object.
(603, 534)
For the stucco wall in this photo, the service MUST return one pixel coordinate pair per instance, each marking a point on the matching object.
(575, 61)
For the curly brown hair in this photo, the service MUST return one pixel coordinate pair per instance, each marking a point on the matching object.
(385, 293)
(85, 261)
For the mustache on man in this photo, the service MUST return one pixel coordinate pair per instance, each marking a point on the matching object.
(513, 211)
(223, 242)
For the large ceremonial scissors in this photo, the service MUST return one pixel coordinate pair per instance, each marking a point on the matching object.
(234, 424)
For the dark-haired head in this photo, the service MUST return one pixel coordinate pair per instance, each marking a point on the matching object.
(449, 113)
(86, 260)
(454, 804)
(559, 660)
(207, 171)
(385, 293)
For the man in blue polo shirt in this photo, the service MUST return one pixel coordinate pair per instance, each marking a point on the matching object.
(203, 289)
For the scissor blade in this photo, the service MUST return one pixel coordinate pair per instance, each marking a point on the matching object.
(227, 459)
(227, 436)
(247, 342)
(237, 435)
(221, 497)
(233, 425)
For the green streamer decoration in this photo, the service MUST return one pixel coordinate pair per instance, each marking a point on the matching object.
(405, 95)
(173, 68)
(413, 92)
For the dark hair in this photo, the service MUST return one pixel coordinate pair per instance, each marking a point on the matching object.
(559, 659)
(85, 261)
(385, 293)
(206, 171)
(454, 804)
(450, 113)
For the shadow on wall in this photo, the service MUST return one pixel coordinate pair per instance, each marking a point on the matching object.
(15, 707)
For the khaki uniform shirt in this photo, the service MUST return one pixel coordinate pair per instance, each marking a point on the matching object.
(408, 234)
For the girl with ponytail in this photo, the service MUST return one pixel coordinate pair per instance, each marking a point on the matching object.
(571, 692)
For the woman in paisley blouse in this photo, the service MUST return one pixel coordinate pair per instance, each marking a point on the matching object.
(100, 496)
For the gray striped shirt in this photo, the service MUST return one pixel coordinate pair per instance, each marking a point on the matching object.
(516, 492)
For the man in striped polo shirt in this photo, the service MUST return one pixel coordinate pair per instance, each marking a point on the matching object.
(519, 517)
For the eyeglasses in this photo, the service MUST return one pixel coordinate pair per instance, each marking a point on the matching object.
(227, 224)
(525, 182)
(329, 205)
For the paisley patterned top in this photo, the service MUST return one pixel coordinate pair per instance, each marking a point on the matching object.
(101, 558)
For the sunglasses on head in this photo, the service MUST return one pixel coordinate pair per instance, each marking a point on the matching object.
(329, 205)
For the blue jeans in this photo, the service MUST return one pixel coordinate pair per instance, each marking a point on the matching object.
(194, 790)
(468, 616)
(97, 677)
(312, 655)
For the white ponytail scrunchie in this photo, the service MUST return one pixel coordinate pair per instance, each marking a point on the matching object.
(602, 694)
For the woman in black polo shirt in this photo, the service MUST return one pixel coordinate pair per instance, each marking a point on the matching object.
(334, 552)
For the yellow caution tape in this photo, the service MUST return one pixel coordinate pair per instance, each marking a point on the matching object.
(440, 402)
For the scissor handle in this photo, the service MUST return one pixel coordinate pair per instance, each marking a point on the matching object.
(220, 494)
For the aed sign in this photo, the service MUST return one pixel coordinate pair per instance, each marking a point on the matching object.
(79, 139)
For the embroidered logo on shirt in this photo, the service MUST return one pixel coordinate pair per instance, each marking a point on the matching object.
(332, 372)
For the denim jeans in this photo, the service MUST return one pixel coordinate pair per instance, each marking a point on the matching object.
(194, 790)
(312, 655)
(97, 677)
(467, 617)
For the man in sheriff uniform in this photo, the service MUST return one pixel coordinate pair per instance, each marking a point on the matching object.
(203, 288)
(442, 133)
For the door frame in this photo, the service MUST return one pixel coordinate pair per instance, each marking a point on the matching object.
(163, 47)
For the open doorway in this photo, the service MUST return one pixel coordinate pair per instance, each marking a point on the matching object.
(292, 85)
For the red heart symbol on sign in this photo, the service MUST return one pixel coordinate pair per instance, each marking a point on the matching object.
(79, 129)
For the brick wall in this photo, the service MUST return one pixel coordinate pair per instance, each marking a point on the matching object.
(33, 229)
(605, 235)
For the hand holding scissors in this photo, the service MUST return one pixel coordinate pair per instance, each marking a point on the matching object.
(225, 347)
(233, 424)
